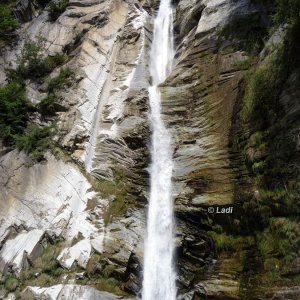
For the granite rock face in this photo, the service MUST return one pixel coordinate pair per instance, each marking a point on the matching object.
(43, 201)
(105, 128)
(69, 292)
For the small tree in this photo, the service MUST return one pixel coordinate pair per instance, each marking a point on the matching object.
(14, 108)
(8, 22)
(36, 141)
(34, 64)
(57, 8)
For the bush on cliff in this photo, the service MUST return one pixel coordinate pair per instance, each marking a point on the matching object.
(14, 112)
(35, 141)
(57, 8)
(8, 23)
(34, 64)
(50, 104)
(64, 78)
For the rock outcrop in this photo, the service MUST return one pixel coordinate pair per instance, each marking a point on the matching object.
(25, 10)
(66, 292)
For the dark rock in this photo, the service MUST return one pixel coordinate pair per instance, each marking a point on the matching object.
(25, 10)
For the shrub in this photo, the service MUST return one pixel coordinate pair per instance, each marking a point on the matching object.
(33, 63)
(244, 64)
(62, 79)
(224, 242)
(57, 8)
(11, 284)
(35, 142)
(258, 167)
(48, 106)
(272, 157)
(259, 99)
(32, 60)
(56, 60)
(110, 285)
(8, 23)
(14, 108)
(271, 264)
(280, 240)
(278, 246)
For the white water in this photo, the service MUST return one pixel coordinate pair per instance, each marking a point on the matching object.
(159, 273)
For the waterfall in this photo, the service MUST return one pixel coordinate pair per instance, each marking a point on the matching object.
(159, 273)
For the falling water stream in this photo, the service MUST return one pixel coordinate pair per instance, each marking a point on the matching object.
(159, 273)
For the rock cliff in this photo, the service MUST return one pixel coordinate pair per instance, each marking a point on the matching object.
(73, 218)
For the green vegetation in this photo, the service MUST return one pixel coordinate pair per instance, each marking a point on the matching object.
(11, 284)
(14, 117)
(280, 239)
(278, 246)
(265, 143)
(43, 271)
(14, 110)
(110, 285)
(62, 79)
(33, 64)
(46, 262)
(260, 96)
(99, 272)
(50, 104)
(117, 192)
(269, 146)
(35, 141)
(229, 243)
(8, 24)
(46, 271)
(91, 203)
(57, 8)
(15, 127)
(287, 11)
(245, 64)
(119, 199)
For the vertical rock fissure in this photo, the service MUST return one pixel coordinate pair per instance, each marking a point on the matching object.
(103, 93)
(159, 273)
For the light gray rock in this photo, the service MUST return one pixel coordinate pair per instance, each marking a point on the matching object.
(67, 292)
(38, 198)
